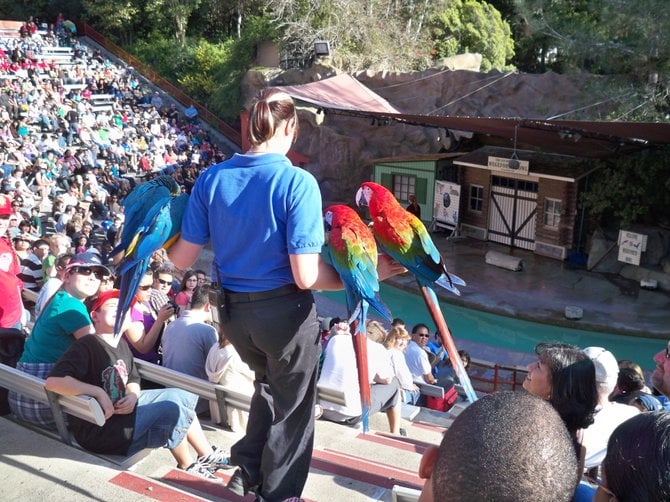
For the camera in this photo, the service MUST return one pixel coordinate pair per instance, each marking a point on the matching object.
(174, 305)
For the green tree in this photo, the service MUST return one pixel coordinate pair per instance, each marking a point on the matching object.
(626, 38)
(117, 18)
(633, 189)
(472, 26)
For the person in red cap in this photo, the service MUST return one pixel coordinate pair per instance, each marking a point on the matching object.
(11, 306)
(102, 366)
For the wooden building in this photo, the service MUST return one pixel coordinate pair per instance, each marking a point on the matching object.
(522, 199)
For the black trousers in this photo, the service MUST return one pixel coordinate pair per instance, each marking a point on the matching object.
(279, 339)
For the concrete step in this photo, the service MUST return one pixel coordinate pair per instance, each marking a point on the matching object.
(346, 465)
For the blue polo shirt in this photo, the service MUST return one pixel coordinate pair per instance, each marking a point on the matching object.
(256, 210)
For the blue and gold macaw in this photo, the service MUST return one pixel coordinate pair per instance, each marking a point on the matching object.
(154, 211)
(352, 251)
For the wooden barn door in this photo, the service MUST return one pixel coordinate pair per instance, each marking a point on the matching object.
(512, 212)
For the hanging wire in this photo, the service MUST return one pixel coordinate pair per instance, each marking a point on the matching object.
(470, 93)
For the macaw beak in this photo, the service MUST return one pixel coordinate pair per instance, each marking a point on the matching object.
(328, 221)
(361, 199)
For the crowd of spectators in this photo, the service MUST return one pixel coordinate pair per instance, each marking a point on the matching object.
(76, 136)
(77, 132)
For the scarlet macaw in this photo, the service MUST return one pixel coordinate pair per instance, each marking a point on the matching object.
(153, 220)
(404, 238)
(352, 251)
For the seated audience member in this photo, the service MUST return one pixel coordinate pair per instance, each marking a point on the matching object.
(340, 373)
(54, 283)
(446, 371)
(436, 348)
(225, 366)
(144, 333)
(627, 363)
(608, 415)
(102, 366)
(396, 343)
(187, 339)
(506, 446)
(636, 465)
(160, 294)
(566, 377)
(11, 306)
(417, 357)
(629, 390)
(188, 284)
(62, 321)
(59, 244)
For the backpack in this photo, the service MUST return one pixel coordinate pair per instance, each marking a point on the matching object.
(11, 348)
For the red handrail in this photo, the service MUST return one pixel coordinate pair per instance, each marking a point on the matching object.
(496, 382)
(224, 128)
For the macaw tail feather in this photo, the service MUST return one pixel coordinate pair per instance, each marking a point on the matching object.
(377, 304)
(430, 298)
(130, 281)
(449, 282)
(361, 350)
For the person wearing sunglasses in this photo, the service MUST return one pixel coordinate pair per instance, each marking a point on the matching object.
(417, 357)
(144, 333)
(64, 319)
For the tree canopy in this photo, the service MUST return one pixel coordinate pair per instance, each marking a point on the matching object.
(472, 26)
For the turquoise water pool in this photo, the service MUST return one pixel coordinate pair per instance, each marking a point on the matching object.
(510, 333)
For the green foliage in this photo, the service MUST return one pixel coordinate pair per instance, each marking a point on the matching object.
(633, 188)
(118, 17)
(629, 39)
(363, 34)
(209, 72)
(472, 26)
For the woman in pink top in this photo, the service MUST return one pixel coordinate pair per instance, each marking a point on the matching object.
(188, 284)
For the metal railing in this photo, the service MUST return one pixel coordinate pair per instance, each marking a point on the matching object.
(491, 377)
(161, 82)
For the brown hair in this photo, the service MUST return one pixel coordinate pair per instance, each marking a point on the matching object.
(269, 108)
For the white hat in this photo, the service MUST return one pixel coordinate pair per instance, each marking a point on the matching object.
(607, 369)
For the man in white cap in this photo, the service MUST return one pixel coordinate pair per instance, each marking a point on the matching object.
(608, 414)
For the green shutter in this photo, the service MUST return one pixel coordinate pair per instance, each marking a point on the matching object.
(387, 180)
(421, 187)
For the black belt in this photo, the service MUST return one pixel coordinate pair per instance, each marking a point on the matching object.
(234, 297)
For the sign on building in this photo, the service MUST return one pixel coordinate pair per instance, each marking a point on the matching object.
(447, 203)
(508, 165)
(631, 246)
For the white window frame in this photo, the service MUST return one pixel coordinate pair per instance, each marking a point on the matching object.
(552, 213)
(404, 185)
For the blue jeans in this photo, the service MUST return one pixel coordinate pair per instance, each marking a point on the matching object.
(162, 418)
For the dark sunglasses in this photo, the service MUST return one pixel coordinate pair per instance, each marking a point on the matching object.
(164, 283)
(144, 288)
(424, 335)
(85, 271)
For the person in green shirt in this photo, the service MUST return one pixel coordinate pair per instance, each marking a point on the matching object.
(62, 320)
